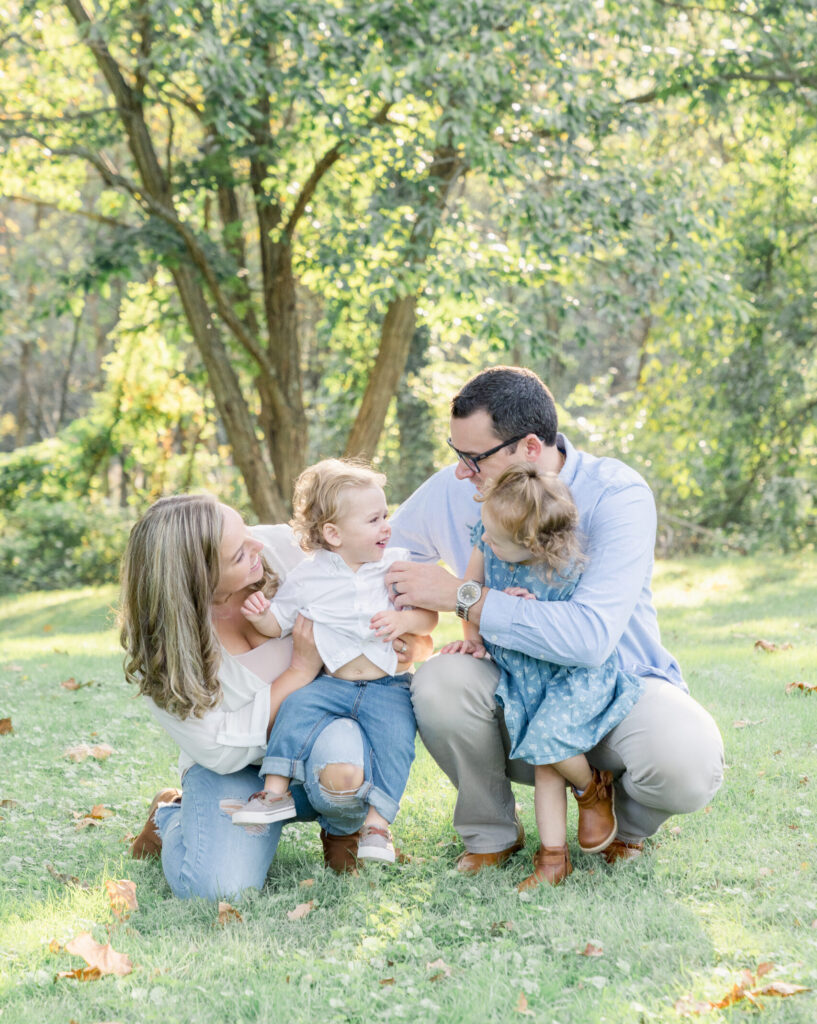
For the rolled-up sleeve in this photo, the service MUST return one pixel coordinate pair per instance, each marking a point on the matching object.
(223, 741)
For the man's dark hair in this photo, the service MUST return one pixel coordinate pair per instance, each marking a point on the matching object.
(517, 401)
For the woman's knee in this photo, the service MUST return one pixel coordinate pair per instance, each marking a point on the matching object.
(341, 778)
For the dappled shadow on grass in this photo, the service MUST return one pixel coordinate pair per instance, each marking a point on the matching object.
(50, 613)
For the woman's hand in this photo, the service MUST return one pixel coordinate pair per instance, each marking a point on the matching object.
(411, 647)
(472, 647)
(305, 658)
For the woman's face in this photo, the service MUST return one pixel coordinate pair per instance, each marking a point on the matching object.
(239, 556)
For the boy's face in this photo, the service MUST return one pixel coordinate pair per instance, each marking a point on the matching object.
(500, 542)
(361, 532)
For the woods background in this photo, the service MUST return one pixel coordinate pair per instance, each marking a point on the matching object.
(236, 237)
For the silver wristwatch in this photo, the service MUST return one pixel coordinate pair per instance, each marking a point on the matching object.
(468, 594)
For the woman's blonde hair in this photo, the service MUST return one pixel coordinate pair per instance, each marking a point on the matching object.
(318, 497)
(170, 571)
(538, 513)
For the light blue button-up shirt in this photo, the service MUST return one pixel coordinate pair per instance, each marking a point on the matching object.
(611, 608)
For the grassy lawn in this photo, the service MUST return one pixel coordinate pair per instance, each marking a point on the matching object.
(719, 893)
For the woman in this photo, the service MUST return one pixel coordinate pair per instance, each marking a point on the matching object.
(215, 684)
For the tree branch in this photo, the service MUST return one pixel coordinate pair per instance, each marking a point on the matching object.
(98, 218)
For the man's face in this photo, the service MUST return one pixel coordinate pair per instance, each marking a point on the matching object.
(473, 435)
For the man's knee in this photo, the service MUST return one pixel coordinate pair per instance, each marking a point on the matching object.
(449, 684)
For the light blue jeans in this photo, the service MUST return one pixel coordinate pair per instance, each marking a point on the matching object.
(204, 854)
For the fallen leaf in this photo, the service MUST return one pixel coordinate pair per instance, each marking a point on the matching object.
(47, 628)
(442, 968)
(743, 722)
(5, 727)
(227, 913)
(66, 879)
(765, 645)
(122, 895)
(386, 981)
(676, 830)
(82, 974)
(54, 946)
(102, 958)
(300, 911)
(306, 883)
(781, 988)
(804, 687)
(70, 684)
(499, 926)
(9, 803)
(100, 752)
(764, 968)
(591, 950)
(522, 1006)
(100, 811)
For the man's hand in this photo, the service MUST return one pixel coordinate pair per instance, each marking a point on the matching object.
(472, 647)
(422, 586)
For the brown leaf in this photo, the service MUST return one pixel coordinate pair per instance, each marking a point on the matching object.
(499, 926)
(386, 981)
(522, 1006)
(66, 879)
(122, 895)
(443, 970)
(100, 811)
(765, 645)
(82, 974)
(5, 727)
(227, 913)
(100, 752)
(47, 628)
(764, 968)
(9, 803)
(307, 883)
(70, 684)
(781, 988)
(591, 950)
(103, 958)
(300, 911)
(804, 687)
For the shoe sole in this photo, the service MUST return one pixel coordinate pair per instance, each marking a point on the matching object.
(263, 817)
(380, 855)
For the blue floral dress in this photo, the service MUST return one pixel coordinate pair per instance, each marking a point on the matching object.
(553, 712)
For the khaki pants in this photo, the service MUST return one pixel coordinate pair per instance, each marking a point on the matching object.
(666, 755)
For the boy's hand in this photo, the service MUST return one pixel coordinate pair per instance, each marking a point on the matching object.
(472, 647)
(386, 624)
(519, 592)
(255, 607)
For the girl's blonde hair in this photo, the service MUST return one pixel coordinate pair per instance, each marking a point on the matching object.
(538, 513)
(318, 497)
(170, 571)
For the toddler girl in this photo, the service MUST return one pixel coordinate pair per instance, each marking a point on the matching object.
(341, 518)
(527, 545)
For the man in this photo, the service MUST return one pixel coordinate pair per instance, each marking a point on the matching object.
(667, 754)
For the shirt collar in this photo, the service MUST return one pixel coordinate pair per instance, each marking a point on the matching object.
(567, 474)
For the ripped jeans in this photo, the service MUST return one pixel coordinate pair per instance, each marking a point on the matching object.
(204, 854)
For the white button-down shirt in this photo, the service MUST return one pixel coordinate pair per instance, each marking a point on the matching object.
(341, 603)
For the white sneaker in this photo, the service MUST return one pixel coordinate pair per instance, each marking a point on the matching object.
(264, 807)
(375, 844)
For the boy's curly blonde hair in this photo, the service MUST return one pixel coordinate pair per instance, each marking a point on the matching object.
(538, 513)
(318, 497)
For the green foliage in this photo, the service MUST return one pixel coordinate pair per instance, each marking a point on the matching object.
(50, 545)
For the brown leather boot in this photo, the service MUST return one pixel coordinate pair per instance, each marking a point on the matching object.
(597, 818)
(621, 850)
(551, 864)
(149, 843)
(340, 852)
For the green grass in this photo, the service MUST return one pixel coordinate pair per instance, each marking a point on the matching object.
(719, 892)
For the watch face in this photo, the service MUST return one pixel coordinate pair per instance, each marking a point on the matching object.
(469, 593)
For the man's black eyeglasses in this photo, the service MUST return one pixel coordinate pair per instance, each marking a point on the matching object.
(473, 461)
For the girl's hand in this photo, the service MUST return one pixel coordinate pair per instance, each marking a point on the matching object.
(386, 624)
(473, 647)
(519, 592)
(255, 606)
(305, 658)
